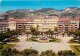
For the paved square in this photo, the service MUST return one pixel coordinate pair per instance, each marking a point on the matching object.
(23, 44)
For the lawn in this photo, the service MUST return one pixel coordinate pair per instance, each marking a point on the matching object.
(55, 40)
(32, 39)
(72, 41)
(76, 49)
(5, 46)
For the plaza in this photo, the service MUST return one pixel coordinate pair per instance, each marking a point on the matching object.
(63, 45)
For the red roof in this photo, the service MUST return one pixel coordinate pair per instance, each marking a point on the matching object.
(66, 19)
(22, 20)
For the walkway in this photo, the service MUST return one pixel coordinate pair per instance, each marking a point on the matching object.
(23, 44)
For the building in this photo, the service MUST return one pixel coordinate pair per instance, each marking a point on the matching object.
(24, 25)
(74, 25)
(46, 23)
(43, 24)
(4, 24)
(12, 24)
(67, 25)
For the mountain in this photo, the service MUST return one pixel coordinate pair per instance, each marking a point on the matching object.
(71, 12)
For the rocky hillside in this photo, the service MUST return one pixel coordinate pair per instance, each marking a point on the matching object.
(71, 12)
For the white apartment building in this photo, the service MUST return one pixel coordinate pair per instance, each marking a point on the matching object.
(74, 25)
(12, 25)
(67, 25)
(45, 24)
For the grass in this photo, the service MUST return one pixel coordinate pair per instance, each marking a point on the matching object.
(72, 41)
(55, 40)
(32, 39)
(76, 49)
(5, 46)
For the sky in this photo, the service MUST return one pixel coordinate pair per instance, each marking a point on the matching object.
(6, 5)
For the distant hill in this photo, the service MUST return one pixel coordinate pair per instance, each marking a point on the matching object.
(71, 12)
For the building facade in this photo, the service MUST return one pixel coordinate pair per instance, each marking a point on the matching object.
(12, 25)
(24, 25)
(4, 24)
(45, 24)
(67, 25)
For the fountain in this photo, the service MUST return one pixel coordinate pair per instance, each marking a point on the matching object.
(44, 39)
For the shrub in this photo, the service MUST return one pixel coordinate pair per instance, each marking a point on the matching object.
(9, 52)
(29, 52)
(48, 53)
(1, 46)
(55, 40)
(33, 39)
(66, 53)
(3, 43)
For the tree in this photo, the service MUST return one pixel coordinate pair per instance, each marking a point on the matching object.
(76, 34)
(27, 33)
(50, 33)
(66, 53)
(47, 53)
(29, 52)
(32, 30)
(9, 52)
(36, 33)
(37, 28)
(8, 34)
(56, 31)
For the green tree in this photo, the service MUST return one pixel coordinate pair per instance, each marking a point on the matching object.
(47, 53)
(32, 30)
(37, 28)
(27, 34)
(66, 53)
(9, 52)
(29, 52)
(56, 31)
(50, 33)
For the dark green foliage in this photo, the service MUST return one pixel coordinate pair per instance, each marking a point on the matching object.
(66, 53)
(8, 34)
(48, 53)
(1, 46)
(76, 34)
(50, 33)
(29, 52)
(9, 52)
(34, 31)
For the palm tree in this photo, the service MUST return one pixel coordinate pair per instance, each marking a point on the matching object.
(37, 27)
(27, 33)
(32, 30)
(50, 33)
(55, 31)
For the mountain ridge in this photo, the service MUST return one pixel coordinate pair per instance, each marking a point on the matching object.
(71, 12)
